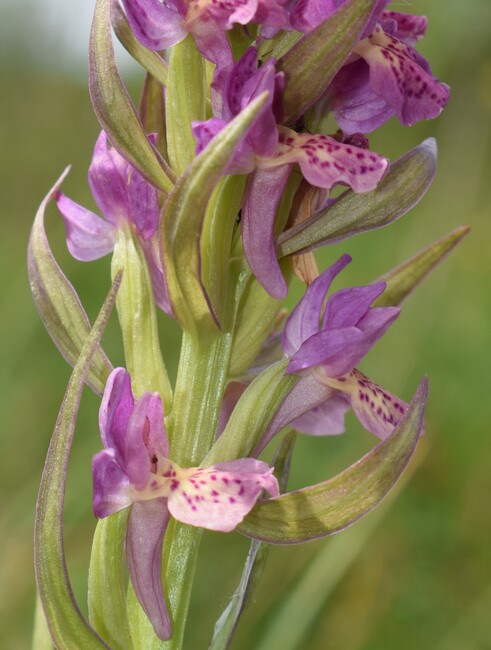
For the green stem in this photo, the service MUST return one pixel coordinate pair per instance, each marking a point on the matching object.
(201, 382)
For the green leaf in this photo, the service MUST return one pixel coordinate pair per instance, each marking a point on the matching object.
(114, 108)
(153, 63)
(185, 101)
(325, 508)
(402, 187)
(252, 414)
(137, 314)
(68, 627)
(107, 584)
(57, 301)
(183, 217)
(311, 64)
(402, 280)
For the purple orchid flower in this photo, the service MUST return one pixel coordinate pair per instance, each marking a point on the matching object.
(269, 151)
(124, 197)
(324, 346)
(385, 75)
(159, 25)
(329, 350)
(134, 468)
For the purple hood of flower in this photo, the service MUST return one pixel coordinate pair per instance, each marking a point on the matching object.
(124, 197)
(349, 327)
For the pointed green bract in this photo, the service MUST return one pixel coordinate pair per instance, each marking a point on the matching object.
(402, 280)
(57, 301)
(109, 616)
(325, 508)
(68, 627)
(252, 415)
(219, 224)
(114, 108)
(185, 102)
(150, 60)
(152, 112)
(138, 319)
(182, 220)
(402, 187)
(311, 64)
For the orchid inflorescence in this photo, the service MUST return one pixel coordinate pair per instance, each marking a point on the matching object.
(213, 195)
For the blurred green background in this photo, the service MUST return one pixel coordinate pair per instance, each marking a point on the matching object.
(415, 574)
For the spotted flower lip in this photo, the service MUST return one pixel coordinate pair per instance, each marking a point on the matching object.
(269, 151)
(124, 197)
(134, 468)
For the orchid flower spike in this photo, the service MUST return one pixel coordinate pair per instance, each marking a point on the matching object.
(135, 468)
(124, 198)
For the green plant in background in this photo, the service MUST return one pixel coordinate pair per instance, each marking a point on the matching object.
(214, 194)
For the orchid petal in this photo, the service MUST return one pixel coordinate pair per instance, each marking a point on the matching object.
(345, 307)
(115, 411)
(396, 74)
(325, 162)
(328, 347)
(242, 159)
(304, 320)
(373, 325)
(146, 528)
(156, 25)
(143, 203)
(144, 437)
(220, 496)
(263, 195)
(108, 176)
(327, 419)
(226, 14)
(307, 14)
(112, 490)
(408, 28)
(355, 106)
(88, 237)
